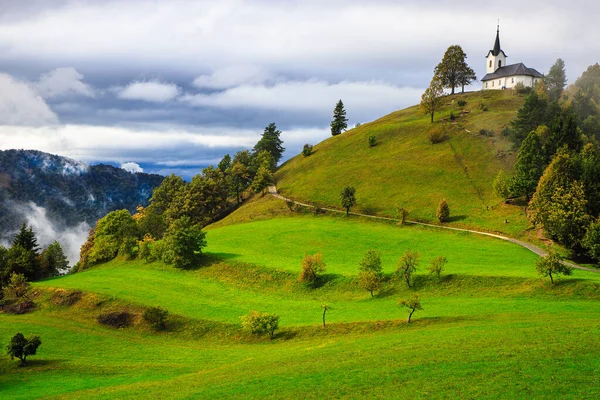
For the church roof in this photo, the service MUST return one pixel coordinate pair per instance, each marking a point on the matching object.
(497, 48)
(511, 70)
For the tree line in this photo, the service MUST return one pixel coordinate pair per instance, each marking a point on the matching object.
(170, 227)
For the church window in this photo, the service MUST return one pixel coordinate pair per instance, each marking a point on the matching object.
(512, 80)
(499, 63)
(492, 83)
(486, 84)
(490, 63)
(499, 82)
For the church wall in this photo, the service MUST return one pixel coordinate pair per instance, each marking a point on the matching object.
(510, 82)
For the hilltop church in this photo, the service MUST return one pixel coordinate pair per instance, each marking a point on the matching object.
(502, 76)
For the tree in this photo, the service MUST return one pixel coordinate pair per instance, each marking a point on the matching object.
(564, 132)
(453, 69)
(185, 242)
(225, 163)
(26, 239)
(53, 261)
(270, 142)
(157, 317)
(552, 264)
(370, 276)
(145, 248)
(437, 267)
(260, 323)
(370, 281)
(443, 211)
(401, 214)
(347, 198)
(590, 177)
(164, 194)
(307, 150)
(465, 77)
(529, 117)
(413, 304)
(239, 180)
(556, 80)
(431, 99)
(591, 240)
(312, 266)
(21, 347)
(17, 288)
(407, 265)
(263, 179)
(529, 167)
(115, 233)
(339, 122)
(325, 308)
(501, 185)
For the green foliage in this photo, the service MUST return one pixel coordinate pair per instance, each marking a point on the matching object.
(530, 166)
(401, 214)
(370, 280)
(27, 240)
(453, 69)
(339, 123)
(431, 99)
(270, 142)
(371, 261)
(312, 266)
(436, 135)
(372, 141)
(501, 185)
(260, 324)
(551, 265)
(225, 163)
(563, 133)
(53, 261)
(240, 179)
(17, 289)
(443, 211)
(263, 179)
(307, 150)
(591, 240)
(156, 317)
(530, 116)
(348, 198)
(22, 347)
(145, 248)
(407, 265)
(413, 304)
(437, 267)
(556, 79)
(163, 196)
(461, 103)
(184, 242)
(116, 233)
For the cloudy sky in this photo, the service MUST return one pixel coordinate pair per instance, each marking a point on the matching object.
(171, 86)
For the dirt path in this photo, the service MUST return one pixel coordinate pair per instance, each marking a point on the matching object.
(535, 249)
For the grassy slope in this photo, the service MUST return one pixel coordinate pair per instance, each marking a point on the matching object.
(490, 329)
(405, 169)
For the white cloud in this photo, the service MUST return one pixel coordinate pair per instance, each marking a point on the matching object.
(150, 91)
(132, 167)
(360, 98)
(62, 82)
(21, 105)
(229, 77)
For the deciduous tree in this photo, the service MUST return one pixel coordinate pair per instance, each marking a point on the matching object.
(437, 267)
(552, 264)
(260, 323)
(407, 265)
(431, 100)
(312, 266)
(22, 347)
(413, 304)
(453, 69)
(347, 198)
(443, 211)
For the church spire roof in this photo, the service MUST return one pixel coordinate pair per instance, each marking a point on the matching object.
(497, 48)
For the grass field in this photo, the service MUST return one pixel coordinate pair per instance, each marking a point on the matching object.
(490, 329)
(405, 169)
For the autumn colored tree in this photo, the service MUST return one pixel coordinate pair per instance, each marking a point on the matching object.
(312, 266)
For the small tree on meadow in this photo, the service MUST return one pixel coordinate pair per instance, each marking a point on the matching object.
(347, 198)
(443, 211)
(21, 347)
(437, 267)
(339, 122)
(260, 323)
(407, 265)
(312, 266)
(431, 100)
(501, 185)
(325, 308)
(307, 150)
(413, 304)
(370, 276)
(552, 264)
(18, 288)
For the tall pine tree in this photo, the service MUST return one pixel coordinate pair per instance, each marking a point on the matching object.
(530, 166)
(339, 122)
(556, 80)
(271, 142)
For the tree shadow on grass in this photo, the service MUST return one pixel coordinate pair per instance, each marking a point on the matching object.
(285, 335)
(210, 259)
(457, 218)
(36, 363)
(326, 279)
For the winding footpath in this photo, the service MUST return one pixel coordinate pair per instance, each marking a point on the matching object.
(535, 249)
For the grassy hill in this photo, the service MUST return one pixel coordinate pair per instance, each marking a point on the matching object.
(405, 169)
(489, 329)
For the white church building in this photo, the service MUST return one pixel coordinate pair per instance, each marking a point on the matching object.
(501, 76)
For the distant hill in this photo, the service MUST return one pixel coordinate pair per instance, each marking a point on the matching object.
(406, 169)
(71, 192)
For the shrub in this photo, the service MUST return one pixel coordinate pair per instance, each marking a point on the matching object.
(291, 204)
(312, 266)
(259, 323)
(461, 103)
(119, 319)
(407, 265)
(65, 297)
(372, 141)
(486, 132)
(437, 267)
(307, 150)
(157, 317)
(520, 88)
(436, 135)
(443, 211)
(452, 116)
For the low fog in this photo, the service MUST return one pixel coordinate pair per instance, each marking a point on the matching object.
(47, 231)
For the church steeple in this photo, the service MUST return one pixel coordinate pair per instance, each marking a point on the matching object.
(497, 48)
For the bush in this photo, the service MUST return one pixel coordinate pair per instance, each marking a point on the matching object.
(291, 204)
(65, 297)
(452, 116)
(312, 266)
(436, 135)
(437, 267)
(520, 88)
(307, 150)
(119, 319)
(157, 317)
(443, 211)
(259, 323)
(461, 103)
(486, 132)
(372, 141)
